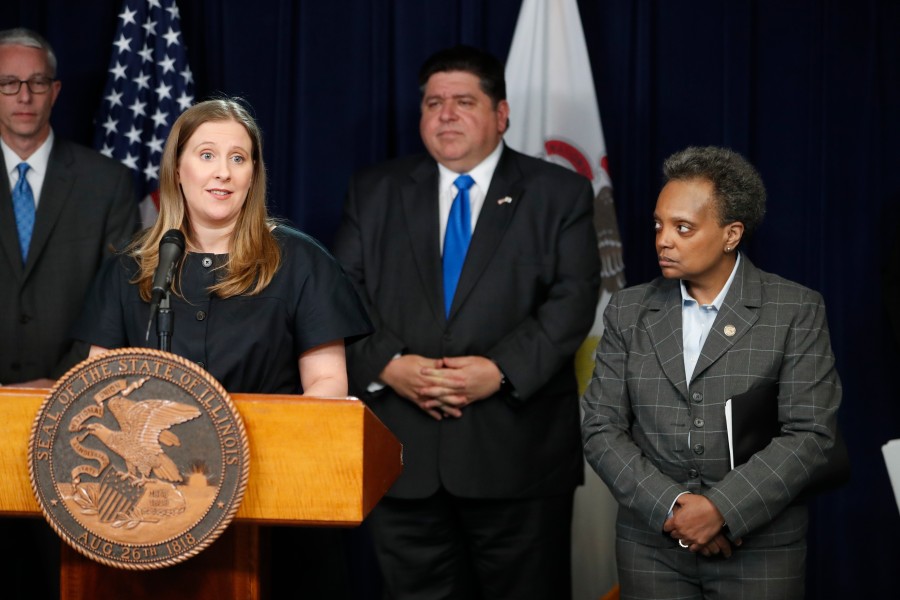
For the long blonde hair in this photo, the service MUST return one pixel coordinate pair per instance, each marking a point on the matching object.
(254, 256)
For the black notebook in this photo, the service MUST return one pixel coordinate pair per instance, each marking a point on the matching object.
(754, 422)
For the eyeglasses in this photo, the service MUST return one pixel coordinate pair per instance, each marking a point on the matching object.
(36, 85)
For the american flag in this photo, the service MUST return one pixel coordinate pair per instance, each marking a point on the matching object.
(149, 85)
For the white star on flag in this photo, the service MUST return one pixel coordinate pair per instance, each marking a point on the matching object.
(123, 44)
(149, 85)
(162, 91)
(127, 16)
(168, 65)
(171, 37)
(115, 98)
(118, 71)
(130, 161)
(141, 81)
(185, 101)
(133, 135)
(137, 108)
(156, 145)
(159, 117)
(151, 172)
(110, 125)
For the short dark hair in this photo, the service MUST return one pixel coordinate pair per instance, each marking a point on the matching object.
(483, 65)
(738, 189)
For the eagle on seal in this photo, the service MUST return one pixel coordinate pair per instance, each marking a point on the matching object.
(142, 427)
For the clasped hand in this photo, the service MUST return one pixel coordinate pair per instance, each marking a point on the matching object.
(442, 387)
(697, 523)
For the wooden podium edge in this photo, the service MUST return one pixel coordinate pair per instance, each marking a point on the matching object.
(378, 441)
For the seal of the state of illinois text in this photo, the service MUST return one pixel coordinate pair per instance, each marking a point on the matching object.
(138, 458)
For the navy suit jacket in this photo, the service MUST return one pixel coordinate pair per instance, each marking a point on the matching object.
(87, 205)
(526, 299)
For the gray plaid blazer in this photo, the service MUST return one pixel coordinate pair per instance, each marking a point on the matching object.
(651, 435)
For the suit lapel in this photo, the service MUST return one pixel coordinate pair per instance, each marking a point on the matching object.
(492, 223)
(735, 317)
(9, 235)
(419, 196)
(54, 195)
(663, 324)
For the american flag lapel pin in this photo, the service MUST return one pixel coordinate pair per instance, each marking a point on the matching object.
(505, 200)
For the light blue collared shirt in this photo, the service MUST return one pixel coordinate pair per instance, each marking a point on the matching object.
(697, 320)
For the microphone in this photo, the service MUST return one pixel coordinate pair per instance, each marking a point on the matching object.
(171, 247)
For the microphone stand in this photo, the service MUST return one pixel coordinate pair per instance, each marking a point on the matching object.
(165, 324)
(171, 249)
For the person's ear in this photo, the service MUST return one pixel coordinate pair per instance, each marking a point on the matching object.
(734, 232)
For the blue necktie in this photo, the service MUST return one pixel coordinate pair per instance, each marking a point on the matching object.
(456, 238)
(23, 206)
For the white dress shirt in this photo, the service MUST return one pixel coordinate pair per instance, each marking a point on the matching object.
(38, 162)
(482, 174)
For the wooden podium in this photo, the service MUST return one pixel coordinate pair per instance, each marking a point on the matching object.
(313, 462)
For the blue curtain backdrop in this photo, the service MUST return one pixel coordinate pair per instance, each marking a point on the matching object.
(808, 90)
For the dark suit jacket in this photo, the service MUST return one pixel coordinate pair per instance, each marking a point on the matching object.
(526, 299)
(87, 204)
(639, 409)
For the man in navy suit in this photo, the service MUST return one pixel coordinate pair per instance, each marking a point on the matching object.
(477, 323)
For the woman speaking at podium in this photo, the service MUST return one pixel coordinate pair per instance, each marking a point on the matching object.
(261, 306)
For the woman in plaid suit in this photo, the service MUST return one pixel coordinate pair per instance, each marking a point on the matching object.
(674, 350)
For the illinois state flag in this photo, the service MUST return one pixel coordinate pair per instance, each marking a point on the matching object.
(149, 85)
(554, 115)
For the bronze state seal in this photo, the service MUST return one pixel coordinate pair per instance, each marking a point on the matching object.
(138, 458)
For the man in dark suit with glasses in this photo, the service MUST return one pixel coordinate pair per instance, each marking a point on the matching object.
(61, 208)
